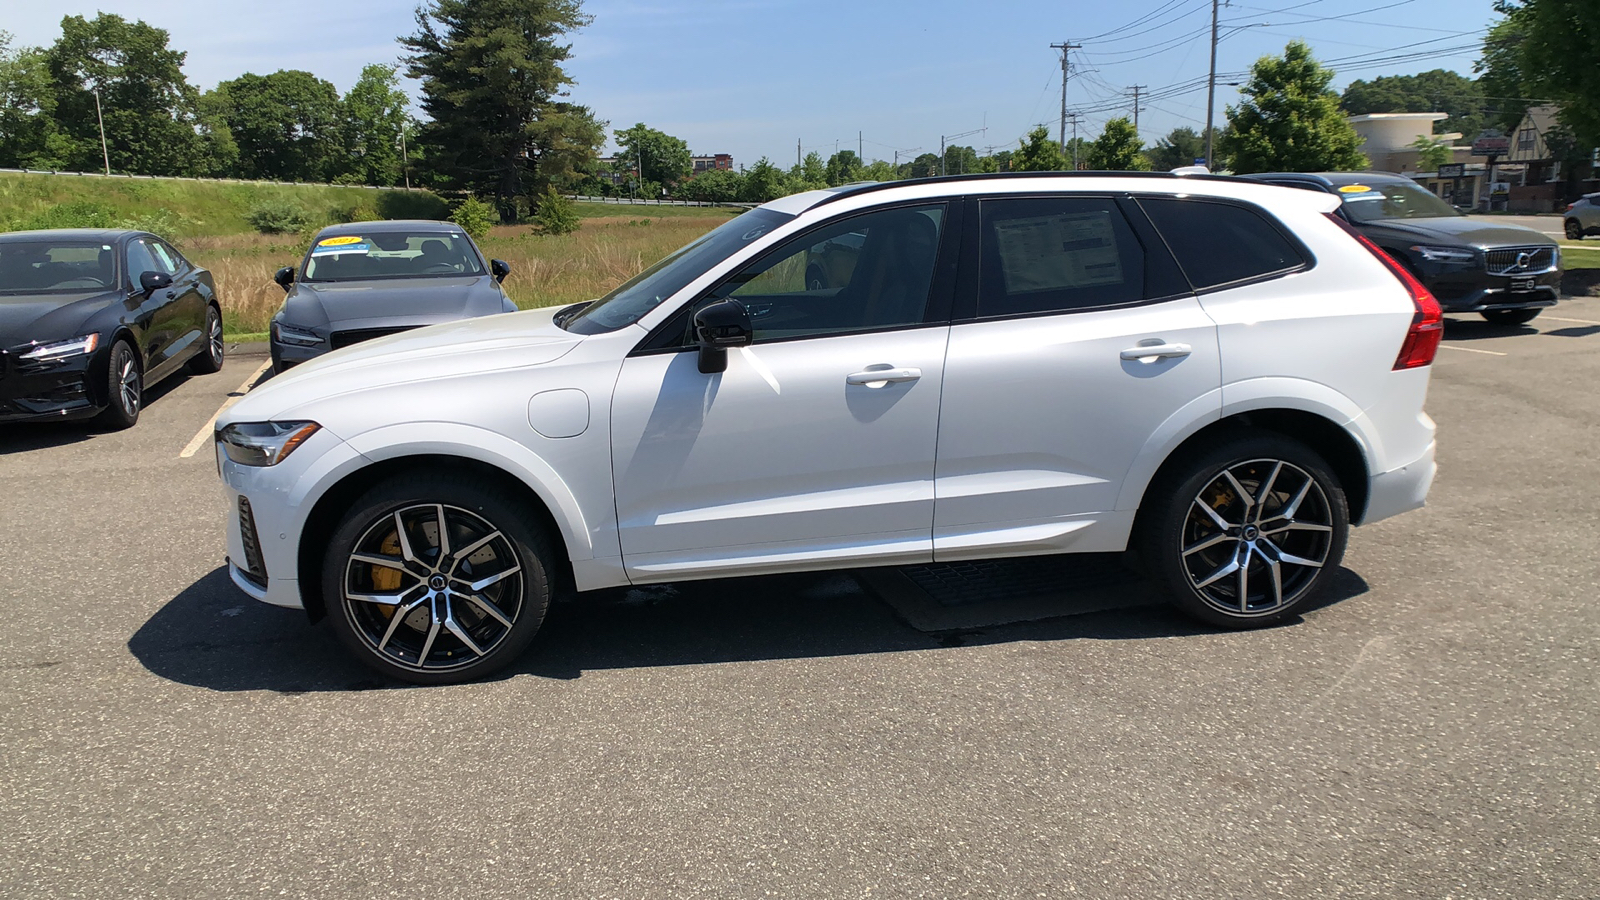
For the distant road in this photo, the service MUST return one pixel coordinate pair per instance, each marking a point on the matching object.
(1550, 225)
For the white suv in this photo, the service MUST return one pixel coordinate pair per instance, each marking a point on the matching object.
(1214, 373)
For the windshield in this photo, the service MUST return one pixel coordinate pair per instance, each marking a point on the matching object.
(391, 254)
(48, 267)
(1392, 200)
(645, 291)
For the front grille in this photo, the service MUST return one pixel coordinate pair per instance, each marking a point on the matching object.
(1519, 260)
(357, 335)
(255, 568)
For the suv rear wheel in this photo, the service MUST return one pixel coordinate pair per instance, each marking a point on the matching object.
(1246, 531)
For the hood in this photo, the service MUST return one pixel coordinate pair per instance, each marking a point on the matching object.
(320, 303)
(450, 350)
(47, 317)
(1458, 230)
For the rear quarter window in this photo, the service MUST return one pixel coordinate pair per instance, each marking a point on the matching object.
(1219, 243)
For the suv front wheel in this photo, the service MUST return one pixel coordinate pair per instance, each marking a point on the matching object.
(1246, 531)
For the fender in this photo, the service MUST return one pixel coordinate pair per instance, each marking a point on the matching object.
(453, 439)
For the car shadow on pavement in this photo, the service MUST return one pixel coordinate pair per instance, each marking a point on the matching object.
(1479, 330)
(44, 434)
(214, 637)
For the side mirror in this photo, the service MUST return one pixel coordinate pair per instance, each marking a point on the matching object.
(717, 327)
(284, 277)
(500, 268)
(150, 282)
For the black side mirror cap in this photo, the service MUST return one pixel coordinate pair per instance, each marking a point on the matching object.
(717, 327)
(284, 277)
(150, 282)
(500, 268)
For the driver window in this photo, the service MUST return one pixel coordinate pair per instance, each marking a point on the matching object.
(140, 261)
(861, 274)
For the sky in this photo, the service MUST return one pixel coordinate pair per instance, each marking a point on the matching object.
(755, 77)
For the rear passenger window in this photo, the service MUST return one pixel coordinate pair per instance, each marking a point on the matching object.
(1220, 243)
(1057, 254)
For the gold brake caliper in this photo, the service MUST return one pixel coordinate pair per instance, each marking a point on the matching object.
(383, 577)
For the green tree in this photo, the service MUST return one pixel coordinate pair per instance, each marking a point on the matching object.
(1002, 160)
(665, 159)
(925, 165)
(1431, 154)
(764, 182)
(712, 186)
(1499, 68)
(809, 174)
(1117, 149)
(1437, 90)
(491, 73)
(960, 160)
(843, 168)
(29, 135)
(288, 126)
(1038, 153)
(148, 105)
(878, 170)
(1288, 119)
(1181, 147)
(374, 115)
(556, 214)
(1559, 58)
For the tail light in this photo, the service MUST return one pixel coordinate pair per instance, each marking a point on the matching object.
(1427, 324)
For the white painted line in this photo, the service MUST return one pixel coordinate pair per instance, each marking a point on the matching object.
(1470, 350)
(1579, 321)
(204, 434)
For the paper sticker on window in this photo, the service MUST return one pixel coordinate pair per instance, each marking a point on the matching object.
(341, 249)
(339, 241)
(1051, 253)
(1354, 189)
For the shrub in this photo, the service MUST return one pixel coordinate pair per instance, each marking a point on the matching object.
(163, 222)
(277, 217)
(475, 217)
(556, 214)
(70, 215)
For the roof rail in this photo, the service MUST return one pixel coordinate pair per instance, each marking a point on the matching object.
(851, 190)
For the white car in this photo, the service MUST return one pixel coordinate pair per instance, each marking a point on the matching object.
(1214, 373)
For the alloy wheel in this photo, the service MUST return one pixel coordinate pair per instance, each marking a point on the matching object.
(215, 338)
(432, 587)
(1255, 537)
(128, 385)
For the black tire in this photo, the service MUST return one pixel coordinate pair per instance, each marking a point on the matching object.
(1510, 316)
(1184, 549)
(209, 359)
(499, 618)
(124, 388)
(1574, 230)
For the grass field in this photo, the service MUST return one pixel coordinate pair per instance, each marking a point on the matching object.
(1580, 255)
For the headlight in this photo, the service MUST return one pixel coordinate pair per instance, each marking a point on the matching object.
(264, 443)
(60, 350)
(1446, 254)
(289, 334)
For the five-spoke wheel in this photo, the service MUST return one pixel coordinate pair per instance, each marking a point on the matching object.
(1247, 532)
(436, 579)
(124, 388)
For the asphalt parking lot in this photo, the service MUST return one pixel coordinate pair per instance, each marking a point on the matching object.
(1432, 731)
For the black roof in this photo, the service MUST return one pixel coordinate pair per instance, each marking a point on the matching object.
(391, 225)
(69, 234)
(848, 190)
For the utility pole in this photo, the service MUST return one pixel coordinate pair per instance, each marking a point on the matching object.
(1074, 142)
(1211, 84)
(104, 153)
(797, 151)
(405, 163)
(861, 154)
(1136, 89)
(1061, 137)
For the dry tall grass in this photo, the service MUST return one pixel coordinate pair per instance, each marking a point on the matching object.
(546, 270)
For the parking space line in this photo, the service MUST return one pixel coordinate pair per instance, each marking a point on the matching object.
(1471, 350)
(204, 434)
(1579, 321)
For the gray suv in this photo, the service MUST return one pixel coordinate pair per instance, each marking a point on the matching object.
(1583, 217)
(1506, 273)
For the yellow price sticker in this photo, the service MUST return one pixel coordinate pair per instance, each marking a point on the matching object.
(1354, 189)
(339, 241)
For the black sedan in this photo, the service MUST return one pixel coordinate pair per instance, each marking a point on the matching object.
(367, 279)
(1506, 273)
(89, 318)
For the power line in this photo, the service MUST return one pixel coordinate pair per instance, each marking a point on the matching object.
(1066, 48)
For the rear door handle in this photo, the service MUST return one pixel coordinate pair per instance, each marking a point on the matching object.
(878, 377)
(1157, 351)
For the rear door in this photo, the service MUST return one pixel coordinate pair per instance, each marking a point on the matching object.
(188, 310)
(1080, 341)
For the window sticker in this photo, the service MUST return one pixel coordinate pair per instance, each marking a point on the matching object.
(1354, 189)
(339, 241)
(341, 249)
(1048, 253)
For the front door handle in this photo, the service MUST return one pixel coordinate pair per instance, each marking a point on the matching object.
(1157, 351)
(876, 377)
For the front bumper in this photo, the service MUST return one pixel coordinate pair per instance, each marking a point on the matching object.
(1463, 289)
(34, 392)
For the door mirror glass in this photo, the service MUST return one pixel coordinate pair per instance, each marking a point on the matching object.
(154, 281)
(717, 327)
(284, 277)
(500, 268)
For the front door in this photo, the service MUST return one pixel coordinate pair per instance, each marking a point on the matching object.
(815, 448)
(1081, 342)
